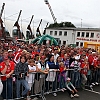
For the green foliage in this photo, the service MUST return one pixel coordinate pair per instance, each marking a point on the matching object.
(62, 24)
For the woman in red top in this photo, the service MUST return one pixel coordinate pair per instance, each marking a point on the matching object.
(85, 68)
(7, 68)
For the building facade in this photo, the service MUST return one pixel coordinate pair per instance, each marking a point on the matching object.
(76, 36)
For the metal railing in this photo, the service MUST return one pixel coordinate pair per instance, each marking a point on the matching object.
(43, 84)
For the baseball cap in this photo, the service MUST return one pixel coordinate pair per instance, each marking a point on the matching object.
(9, 50)
(68, 79)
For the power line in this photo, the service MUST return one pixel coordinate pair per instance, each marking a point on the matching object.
(11, 15)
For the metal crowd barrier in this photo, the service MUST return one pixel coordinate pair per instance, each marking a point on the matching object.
(42, 84)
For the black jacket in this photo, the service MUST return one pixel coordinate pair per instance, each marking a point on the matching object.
(21, 68)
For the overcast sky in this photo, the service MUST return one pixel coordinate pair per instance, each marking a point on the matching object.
(64, 10)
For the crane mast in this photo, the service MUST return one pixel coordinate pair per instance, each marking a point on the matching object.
(49, 6)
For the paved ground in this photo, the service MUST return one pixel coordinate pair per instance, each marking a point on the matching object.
(84, 95)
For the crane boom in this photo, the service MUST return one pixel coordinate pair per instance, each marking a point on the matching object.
(20, 34)
(2, 10)
(31, 19)
(19, 15)
(2, 33)
(29, 28)
(40, 23)
(53, 16)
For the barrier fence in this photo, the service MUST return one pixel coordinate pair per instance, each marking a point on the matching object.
(40, 84)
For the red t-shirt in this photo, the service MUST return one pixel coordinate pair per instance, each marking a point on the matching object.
(61, 69)
(84, 67)
(90, 59)
(98, 62)
(11, 67)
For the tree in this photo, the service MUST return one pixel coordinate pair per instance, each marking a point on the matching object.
(62, 24)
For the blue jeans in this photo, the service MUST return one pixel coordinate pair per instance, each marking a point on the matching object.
(47, 85)
(7, 89)
(76, 79)
(26, 86)
(62, 82)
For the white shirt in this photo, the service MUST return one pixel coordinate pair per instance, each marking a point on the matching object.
(55, 56)
(31, 76)
(1, 87)
(41, 67)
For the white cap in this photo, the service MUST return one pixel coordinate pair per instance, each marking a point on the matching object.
(9, 50)
(93, 52)
(68, 79)
(77, 57)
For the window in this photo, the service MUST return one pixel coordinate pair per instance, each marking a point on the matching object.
(65, 33)
(77, 43)
(64, 42)
(78, 34)
(55, 33)
(60, 32)
(81, 44)
(87, 34)
(92, 35)
(59, 41)
(51, 32)
(82, 34)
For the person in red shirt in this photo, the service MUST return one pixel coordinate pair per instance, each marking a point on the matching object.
(98, 69)
(7, 68)
(85, 68)
(94, 70)
(35, 51)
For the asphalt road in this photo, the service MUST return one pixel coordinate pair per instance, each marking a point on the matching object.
(84, 95)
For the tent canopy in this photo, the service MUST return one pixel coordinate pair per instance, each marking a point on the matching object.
(45, 37)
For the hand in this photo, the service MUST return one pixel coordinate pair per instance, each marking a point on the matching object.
(76, 90)
(46, 72)
(21, 75)
(8, 75)
(72, 91)
(27, 75)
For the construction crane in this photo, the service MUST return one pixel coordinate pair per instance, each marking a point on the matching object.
(17, 32)
(38, 30)
(29, 34)
(53, 16)
(45, 28)
(2, 33)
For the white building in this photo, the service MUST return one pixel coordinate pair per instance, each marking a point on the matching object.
(74, 35)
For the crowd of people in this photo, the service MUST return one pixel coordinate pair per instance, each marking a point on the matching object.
(59, 67)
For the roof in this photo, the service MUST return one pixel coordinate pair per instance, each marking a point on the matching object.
(76, 29)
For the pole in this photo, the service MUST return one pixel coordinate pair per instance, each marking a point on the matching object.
(81, 23)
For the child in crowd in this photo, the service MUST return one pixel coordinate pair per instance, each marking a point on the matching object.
(62, 76)
(32, 68)
(71, 89)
